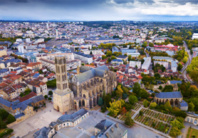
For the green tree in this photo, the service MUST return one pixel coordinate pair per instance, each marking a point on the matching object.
(133, 99)
(50, 93)
(49, 98)
(119, 91)
(113, 57)
(109, 53)
(46, 97)
(141, 113)
(144, 44)
(2, 124)
(136, 89)
(146, 103)
(151, 44)
(167, 106)
(175, 132)
(10, 119)
(153, 105)
(51, 84)
(27, 91)
(115, 107)
(100, 101)
(3, 114)
(144, 94)
(179, 67)
(191, 106)
(129, 121)
(178, 124)
(168, 88)
(104, 57)
(129, 58)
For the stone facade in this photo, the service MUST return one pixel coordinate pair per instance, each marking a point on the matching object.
(63, 96)
(82, 90)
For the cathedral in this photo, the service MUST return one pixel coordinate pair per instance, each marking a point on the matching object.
(82, 90)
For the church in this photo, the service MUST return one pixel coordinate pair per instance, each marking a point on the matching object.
(82, 90)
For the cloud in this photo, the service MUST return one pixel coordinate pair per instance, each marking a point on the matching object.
(98, 9)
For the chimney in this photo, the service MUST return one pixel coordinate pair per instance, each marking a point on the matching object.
(78, 70)
(112, 129)
(116, 125)
(107, 135)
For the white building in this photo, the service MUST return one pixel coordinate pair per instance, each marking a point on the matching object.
(195, 36)
(21, 48)
(147, 63)
(164, 63)
(83, 57)
(135, 64)
(174, 66)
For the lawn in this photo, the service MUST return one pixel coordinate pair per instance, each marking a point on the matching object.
(192, 133)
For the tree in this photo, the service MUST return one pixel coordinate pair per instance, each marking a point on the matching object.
(141, 113)
(123, 110)
(100, 101)
(168, 88)
(133, 99)
(49, 98)
(119, 91)
(178, 124)
(167, 106)
(151, 44)
(179, 67)
(50, 93)
(129, 58)
(115, 107)
(160, 87)
(144, 94)
(175, 132)
(113, 57)
(27, 91)
(10, 119)
(144, 44)
(109, 53)
(129, 121)
(51, 84)
(104, 57)
(153, 105)
(2, 124)
(128, 106)
(191, 106)
(3, 114)
(136, 89)
(46, 97)
(146, 103)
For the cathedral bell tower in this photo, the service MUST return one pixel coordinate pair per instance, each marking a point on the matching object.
(63, 97)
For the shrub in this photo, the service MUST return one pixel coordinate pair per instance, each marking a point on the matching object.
(6, 132)
(10, 119)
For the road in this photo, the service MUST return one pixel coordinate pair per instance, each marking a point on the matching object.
(187, 63)
(147, 55)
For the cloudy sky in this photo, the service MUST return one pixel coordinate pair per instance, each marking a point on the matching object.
(91, 10)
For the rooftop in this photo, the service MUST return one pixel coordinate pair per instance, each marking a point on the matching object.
(167, 95)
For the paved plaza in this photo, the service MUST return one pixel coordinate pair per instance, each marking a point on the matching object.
(86, 129)
(39, 120)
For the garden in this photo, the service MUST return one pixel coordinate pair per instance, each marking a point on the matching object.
(192, 133)
(154, 123)
(157, 115)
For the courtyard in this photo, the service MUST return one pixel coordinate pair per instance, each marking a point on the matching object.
(40, 119)
(86, 129)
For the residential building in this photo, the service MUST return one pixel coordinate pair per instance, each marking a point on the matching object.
(147, 63)
(135, 64)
